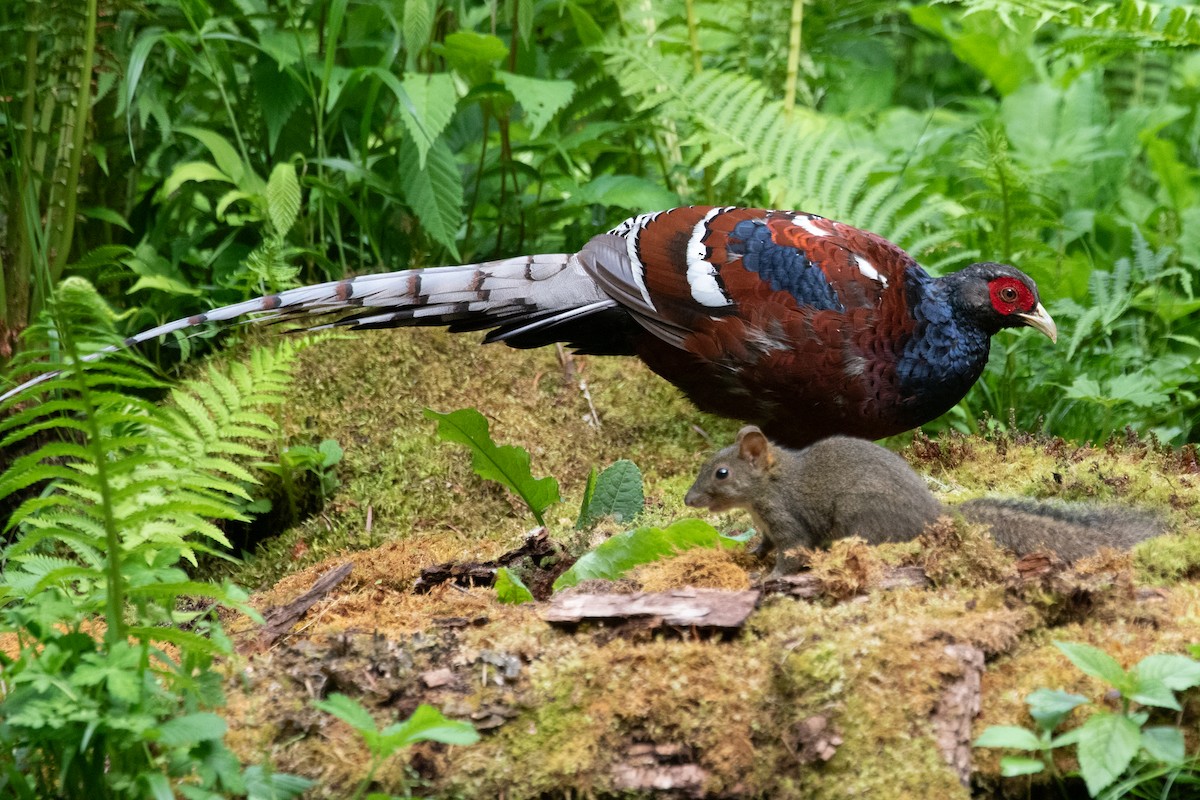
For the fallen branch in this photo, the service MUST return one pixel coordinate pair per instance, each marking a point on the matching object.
(279, 620)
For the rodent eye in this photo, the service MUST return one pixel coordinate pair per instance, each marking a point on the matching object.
(722, 473)
(1008, 294)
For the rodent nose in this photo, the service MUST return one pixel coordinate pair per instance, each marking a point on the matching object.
(693, 499)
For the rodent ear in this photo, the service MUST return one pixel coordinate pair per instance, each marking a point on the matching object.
(754, 448)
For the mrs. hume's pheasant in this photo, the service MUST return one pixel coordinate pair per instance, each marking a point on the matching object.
(804, 326)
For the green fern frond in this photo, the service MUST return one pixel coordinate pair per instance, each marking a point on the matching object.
(793, 159)
(1124, 25)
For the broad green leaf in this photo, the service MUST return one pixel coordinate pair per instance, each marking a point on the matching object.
(1164, 743)
(105, 214)
(617, 493)
(417, 25)
(1049, 706)
(539, 97)
(626, 191)
(1012, 736)
(1153, 692)
(432, 103)
(1095, 662)
(331, 452)
(191, 171)
(435, 192)
(508, 465)
(466, 49)
(283, 198)
(163, 283)
(589, 489)
(1107, 744)
(279, 94)
(1012, 766)
(201, 726)
(427, 724)
(622, 552)
(348, 710)
(510, 589)
(223, 153)
(1176, 671)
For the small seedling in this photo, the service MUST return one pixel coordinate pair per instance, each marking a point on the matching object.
(1109, 744)
(426, 724)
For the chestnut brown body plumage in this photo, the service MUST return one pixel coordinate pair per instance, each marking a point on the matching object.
(803, 325)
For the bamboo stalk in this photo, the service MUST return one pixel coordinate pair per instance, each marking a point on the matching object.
(61, 242)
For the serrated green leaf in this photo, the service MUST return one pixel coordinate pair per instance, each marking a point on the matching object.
(1178, 672)
(1095, 662)
(348, 710)
(427, 724)
(508, 465)
(540, 98)
(1107, 745)
(201, 726)
(1153, 692)
(283, 198)
(1165, 744)
(617, 493)
(1011, 736)
(1050, 706)
(417, 25)
(432, 103)
(622, 552)
(510, 589)
(435, 192)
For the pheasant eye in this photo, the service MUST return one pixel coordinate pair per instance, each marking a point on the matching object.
(722, 473)
(1008, 294)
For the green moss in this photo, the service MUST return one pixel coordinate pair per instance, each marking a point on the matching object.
(874, 666)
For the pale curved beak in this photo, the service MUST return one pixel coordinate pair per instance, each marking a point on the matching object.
(1041, 321)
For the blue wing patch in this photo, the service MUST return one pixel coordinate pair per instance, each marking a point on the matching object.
(786, 269)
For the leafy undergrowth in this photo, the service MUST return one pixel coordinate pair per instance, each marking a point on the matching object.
(855, 692)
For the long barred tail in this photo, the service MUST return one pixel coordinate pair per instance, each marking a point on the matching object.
(516, 294)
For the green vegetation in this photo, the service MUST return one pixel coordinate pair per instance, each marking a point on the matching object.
(110, 679)
(1118, 753)
(164, 157)
(426, 724)
(225, 149)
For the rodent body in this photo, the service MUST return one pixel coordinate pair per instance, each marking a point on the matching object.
(842, 486)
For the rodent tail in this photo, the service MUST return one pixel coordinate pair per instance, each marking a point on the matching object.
(1072, 530)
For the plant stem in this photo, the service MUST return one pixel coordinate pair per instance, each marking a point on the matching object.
(795, 26)
(115, 595)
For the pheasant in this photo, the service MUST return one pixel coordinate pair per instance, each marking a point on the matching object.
(802, 325)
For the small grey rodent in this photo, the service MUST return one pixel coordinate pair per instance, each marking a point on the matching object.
(842, 486)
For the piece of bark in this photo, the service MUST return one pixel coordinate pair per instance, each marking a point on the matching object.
(279, 620)
(957, 709)
(706, 609)
(683, 780)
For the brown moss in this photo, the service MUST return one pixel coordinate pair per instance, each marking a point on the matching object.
(703, 567)
(955, 552)
(847, 568)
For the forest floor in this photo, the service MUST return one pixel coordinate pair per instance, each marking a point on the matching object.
(869, 676)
